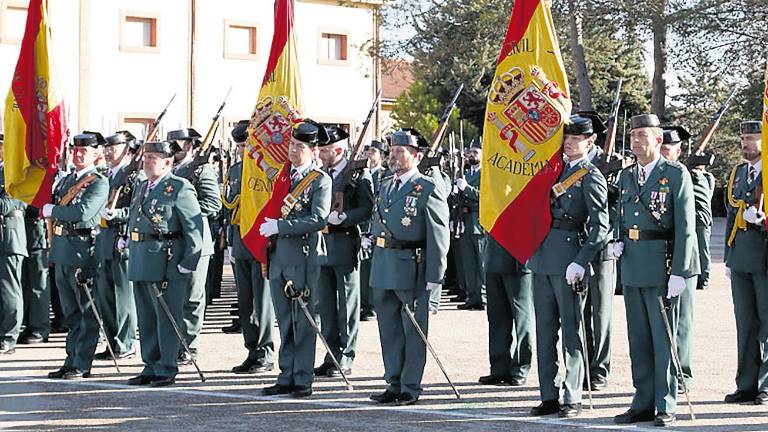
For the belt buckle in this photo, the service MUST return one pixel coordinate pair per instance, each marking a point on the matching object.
(634, 234)
(58, 230)
(134, 236)
(381, 242)
(558, 189)
(324, 230)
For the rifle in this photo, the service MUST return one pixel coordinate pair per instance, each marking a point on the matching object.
(356, 163)
(457, 203)
(134, 165)
(432, 158)
(203, 154)
(609, 163)
(699, 157)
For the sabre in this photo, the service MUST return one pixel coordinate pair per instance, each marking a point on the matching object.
(82, 282)
(423, 336)
(175, 326)
(663, 309)
(581, 290)
(298, 296)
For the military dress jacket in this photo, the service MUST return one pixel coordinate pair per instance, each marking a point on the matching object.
(471, 204)
(165, 230)
(703, 189)
(206, 184)
(418, 214)
(748, 251)
(583, 212)
(231, 193)
(299, 242)
(664, 203)
(82, 215)
(106, 241)
(13, 236)
(343, 241)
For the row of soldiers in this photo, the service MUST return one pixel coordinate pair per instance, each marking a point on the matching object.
(394, 226)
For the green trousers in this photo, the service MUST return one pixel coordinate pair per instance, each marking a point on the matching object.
(11, 299)
(83, 335)
(160, 344)
(194, 307)
(650, 351)
(510, 332)
(256, 313)
(750, 305)
(703, 234)
(598, 313)
(37, 293)
(558, 308)
(471, 251)
(685, 330)
(403, 351)
(116, 304)
(338, 304)
(366, 297)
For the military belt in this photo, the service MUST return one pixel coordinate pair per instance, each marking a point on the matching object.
(336, 229)
(638, 235)
(567, 225)
(61, 231)
(140, 237)
(388, 243)
(466, 209)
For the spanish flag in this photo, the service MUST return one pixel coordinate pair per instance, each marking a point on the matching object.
(266, 179)
(523, 134)
(765, 143)
(34, 123)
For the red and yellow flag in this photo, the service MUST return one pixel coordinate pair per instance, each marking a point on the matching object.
(266, 180)
(765, 142)
(522, 138)
(34, 123)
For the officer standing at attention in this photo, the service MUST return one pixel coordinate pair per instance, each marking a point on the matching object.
(658, 253)
(377, 152)
(745, 261)
(580, 228)
(113, 289)
(297, 252)
(165, 241)
(75, 218)
(206, 185)
(409, 261)
(473, 240)
(254, 299)
(13, 249)
(338, 299)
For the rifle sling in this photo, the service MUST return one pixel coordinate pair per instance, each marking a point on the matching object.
(79, 186)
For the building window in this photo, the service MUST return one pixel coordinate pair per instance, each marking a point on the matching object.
(137, 124)
(240, 40)
(13, 20)
(333, 48)
(139, 32)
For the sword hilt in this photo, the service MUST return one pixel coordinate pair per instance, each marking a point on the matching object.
(291, 293)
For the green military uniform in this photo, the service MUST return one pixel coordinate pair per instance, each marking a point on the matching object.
(34, 280)
(298, 252)
(579, 231)
(472, 242)
(745, 255)
(165, 233)
(366, 299)
(338, 299)
(13, 249)
(254, 298)
(654, 214)
(601, 286)
(703, 190)
(409, 257)
(206, 185)
(510, 314)
(113, 289)
(72, 250)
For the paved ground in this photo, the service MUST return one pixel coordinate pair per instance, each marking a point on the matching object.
(233, 402)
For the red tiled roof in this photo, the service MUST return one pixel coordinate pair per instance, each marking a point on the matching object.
(396, 77)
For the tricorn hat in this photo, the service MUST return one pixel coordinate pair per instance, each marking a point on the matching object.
(311, 133)
(644, 120)
(585, 123)
(99, 137)
(240, 131)
(751, 127)
(120, 137)
(675, 134)
(85, 140)
(164, 148)
(188, 134)
(335, 134)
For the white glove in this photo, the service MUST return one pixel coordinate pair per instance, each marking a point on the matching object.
(268, 228)
(675, 286)
(47, 209)
(366, 242)
(336, 218)
(728, 272)
(451, 227)
(751, 215)
(108, 214)
(432, 285)
(574, 273)
(229, 252)
(461, 183)
(122, 243)
(455, 189)
(615, 249)
(182, 270)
